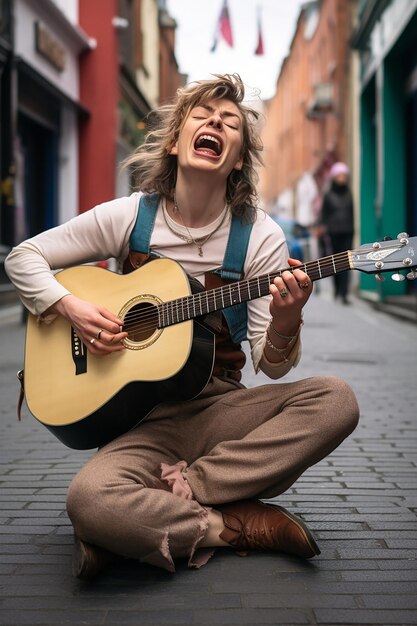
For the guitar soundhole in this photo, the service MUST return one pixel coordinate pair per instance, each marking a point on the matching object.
(141, 322)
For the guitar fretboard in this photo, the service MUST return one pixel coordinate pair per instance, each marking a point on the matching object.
(204, 302)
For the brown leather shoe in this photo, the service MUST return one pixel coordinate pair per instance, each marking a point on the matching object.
(89, 561)
(251, 524)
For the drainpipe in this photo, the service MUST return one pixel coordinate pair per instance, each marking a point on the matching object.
(379, 198)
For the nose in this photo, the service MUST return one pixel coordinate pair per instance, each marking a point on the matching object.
(216, 122)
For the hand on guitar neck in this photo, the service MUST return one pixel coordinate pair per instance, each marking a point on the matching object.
(97, 327)
(290, 293)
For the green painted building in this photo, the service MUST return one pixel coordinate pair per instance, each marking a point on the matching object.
(386, 38)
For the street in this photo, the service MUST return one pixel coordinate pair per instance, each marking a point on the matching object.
(360, 503)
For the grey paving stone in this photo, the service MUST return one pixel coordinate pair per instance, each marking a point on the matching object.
(410, 563)
(29, 530)
(392, 601)
(377, 575)
(364, 617)
(305, 600)
(157, 616)
(252, 616)
(38, 618)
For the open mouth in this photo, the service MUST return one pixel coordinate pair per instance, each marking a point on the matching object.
(208, 145)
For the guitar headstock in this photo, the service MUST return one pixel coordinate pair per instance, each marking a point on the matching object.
(387, 256)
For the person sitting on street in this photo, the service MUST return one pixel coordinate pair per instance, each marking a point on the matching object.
(192, 477)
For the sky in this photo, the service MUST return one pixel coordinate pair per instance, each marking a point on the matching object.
(197, 19)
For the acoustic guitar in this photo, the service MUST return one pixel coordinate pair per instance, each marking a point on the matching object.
(87, 400)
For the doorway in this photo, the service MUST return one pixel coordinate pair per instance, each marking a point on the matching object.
(39, 147)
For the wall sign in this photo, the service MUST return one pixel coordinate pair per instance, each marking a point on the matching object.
(49, 47)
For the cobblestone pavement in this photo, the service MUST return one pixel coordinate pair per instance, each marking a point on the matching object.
(360, 502)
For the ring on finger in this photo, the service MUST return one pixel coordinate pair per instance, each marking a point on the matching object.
(283, 293)
(99, 333)
(305, 284)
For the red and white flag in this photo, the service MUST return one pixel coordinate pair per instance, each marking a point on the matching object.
(223, 28)
(260, 45)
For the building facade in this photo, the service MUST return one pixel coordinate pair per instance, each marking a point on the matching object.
(170, 77)
(309, 123)
(42, 141)
(6, 161)
(112, 97)
(386, 38)
(78, 78)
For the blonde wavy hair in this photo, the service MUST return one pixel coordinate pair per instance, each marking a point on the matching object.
(155, 169)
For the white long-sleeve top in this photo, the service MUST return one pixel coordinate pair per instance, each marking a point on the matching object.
(103, 233)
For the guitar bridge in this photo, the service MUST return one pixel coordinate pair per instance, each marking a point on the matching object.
(79, 353)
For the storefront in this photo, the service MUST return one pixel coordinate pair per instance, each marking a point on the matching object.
(6, 165)
(47, 49)
(386, 38)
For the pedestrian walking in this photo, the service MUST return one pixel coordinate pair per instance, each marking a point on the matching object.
(337, 218)
(189, 479)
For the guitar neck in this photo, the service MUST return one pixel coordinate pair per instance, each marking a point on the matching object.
(204, 302)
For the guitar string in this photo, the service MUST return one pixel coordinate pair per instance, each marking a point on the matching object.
(175, 304)
(145, 316)
(174, 311)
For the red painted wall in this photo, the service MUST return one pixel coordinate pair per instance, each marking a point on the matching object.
(99, 93)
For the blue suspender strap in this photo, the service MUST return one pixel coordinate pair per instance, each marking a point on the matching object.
(237, 246)
(140, 236)
(233, 266)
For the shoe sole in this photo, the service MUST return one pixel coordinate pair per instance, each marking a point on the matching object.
(79, 559)
(305, 531)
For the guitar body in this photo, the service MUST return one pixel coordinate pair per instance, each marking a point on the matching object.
(88, 400)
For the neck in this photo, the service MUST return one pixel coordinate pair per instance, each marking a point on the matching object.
(199, 201)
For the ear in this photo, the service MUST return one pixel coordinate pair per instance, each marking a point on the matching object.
(174, 149)
(238, 165)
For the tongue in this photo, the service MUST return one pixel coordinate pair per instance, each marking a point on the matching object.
(206, 151)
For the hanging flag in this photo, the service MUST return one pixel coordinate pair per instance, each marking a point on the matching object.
(260, 45)
(223, 28)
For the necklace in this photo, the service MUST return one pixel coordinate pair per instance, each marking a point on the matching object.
(200, 241)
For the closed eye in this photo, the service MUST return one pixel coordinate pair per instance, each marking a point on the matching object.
(200, 117)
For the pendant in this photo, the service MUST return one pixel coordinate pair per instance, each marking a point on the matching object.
(200, 251)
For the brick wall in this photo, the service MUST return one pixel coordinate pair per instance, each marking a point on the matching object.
(299, 135)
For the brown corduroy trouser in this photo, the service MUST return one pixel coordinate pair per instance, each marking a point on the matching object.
(238, 443)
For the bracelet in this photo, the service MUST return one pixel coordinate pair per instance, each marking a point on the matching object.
(275, 349)
(286, 337)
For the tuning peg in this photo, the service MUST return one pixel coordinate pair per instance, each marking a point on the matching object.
(380, 278)
(403, 238)
(412, 275)
(398, 277)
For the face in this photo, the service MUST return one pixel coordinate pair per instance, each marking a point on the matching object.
(341, 179)
(210, 138)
